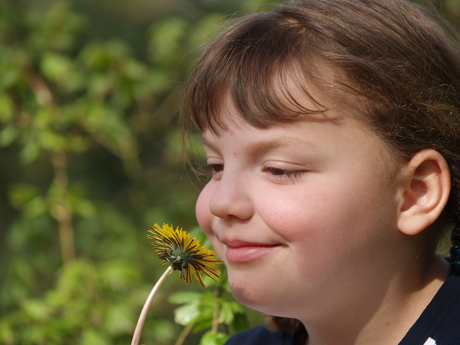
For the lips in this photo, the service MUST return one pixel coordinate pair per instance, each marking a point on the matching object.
(244, 252)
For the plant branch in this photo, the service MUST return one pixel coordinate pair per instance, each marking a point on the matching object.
(61, 210)
(183, 335)
(215, 318)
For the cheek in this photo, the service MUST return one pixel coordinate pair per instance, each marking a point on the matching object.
(205, 219)
(203, 214)
(319, 216)
(295, 213)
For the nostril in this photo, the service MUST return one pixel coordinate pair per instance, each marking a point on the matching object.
(231, 203)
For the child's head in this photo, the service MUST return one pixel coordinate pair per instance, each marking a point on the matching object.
(385, 59)
(354, 80)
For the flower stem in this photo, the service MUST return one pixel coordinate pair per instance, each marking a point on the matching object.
(145, 309)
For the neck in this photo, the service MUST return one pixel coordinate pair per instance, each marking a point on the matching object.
(379, 314)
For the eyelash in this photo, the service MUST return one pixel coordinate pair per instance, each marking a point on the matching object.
(212, 169)
(282, 173)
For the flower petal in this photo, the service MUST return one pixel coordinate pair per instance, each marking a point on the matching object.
(184, 253)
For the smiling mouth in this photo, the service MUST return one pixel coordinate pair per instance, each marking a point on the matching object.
(248, 252)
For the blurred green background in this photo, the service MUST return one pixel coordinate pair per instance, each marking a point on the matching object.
(90, 157)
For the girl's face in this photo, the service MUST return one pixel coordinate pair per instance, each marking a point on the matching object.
(302, 213)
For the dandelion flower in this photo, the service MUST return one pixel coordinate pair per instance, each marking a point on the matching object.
(184, 253)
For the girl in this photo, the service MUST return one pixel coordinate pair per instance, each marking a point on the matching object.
(332, 131)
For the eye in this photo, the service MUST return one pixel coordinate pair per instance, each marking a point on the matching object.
(212, 169)
(283, 173)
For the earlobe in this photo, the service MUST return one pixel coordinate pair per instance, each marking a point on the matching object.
(426, 191)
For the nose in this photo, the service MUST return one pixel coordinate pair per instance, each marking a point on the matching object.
(231, 198)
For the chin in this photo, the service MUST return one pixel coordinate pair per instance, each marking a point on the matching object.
(246, 295)
(253, 298)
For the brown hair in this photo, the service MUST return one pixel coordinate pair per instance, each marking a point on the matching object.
(387, 52)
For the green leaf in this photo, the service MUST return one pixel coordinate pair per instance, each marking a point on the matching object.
(185, 297)
(35, 309)
(6, 332)
(10, 69)
(35, 207)
(166, 39)
(30, 152)
(188, 313)
(213, 338)
(55, 66)
(100, 85)
(226, 314)
(240, 322)
(52, 141)
(78, 143)
(61, 70)
(85, 208)
(6, 108)
(22, 193)
(8, 134)
(92, 336)
(207, 309)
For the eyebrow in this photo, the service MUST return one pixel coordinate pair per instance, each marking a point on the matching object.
(263, 146)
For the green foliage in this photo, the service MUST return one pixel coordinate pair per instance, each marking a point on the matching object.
(219, 314)
(88, 302)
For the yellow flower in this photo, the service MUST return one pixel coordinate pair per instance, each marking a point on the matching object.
(183, 253)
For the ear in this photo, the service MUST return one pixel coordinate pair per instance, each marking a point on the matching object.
(426, 191)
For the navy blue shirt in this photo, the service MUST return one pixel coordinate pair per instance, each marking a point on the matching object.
(439, 323)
